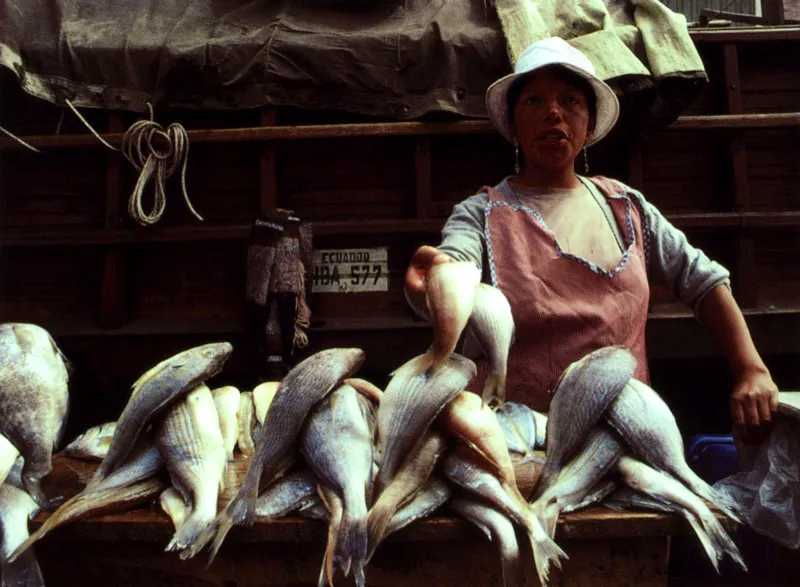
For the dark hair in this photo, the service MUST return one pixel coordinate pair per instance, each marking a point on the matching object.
(562, 74)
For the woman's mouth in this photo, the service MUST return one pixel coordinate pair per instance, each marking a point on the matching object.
(553, 137)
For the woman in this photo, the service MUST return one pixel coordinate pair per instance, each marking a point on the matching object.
(575, 256)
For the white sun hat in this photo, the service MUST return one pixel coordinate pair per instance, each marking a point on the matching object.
(553, 51)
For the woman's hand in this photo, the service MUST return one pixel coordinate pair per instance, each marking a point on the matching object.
(754, 398)
(424, 258)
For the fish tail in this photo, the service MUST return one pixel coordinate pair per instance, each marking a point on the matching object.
(729, 507)
(239, 512)
(188, 533)
(352, 542)
(494, 388)
(722, 541)
(23, 572)
(545, 550)
(326, 574)
(705, 540)
(547, 513)
(380, 516)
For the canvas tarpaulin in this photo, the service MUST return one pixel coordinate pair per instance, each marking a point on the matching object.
(388, 58)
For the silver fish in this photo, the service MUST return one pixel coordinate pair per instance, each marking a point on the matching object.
(246, 423)
(645, 421)
(155, 391)
(191, 444)
(226, 400)
(597, 494)
(463, 468)
(449, 299)
(16, 509)
(336, 442)
(498, 528)
(33, 400)
(307, 383)
(93, 444)
(584, 391)
(409, 405)
(428, 499)
(492, 325)
(409, 480)
(662, 487)
(597, 456)
(295, 491)
(8, 457)
(132, 483)
(525, 429)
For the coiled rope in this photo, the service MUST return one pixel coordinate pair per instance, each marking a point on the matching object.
(152, 162)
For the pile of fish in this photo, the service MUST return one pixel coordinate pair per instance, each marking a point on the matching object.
(325, 444)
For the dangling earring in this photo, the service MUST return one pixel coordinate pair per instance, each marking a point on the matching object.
(517, 166)
(585, 162)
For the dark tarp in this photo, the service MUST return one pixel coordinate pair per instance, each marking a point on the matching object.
(387, 58)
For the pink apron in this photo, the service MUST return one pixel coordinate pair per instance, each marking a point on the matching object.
(563, 306)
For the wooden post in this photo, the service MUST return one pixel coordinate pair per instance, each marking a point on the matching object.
(113, 295)
(268, 200)
(745, 280)
(422, 169)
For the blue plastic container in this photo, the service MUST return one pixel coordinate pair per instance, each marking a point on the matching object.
(712, 456)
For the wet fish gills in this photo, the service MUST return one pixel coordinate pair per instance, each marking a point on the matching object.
(409, 405)
(16, 509)
(246, 423)
(449, 300)
(336, 442)
(500, 530)
(492, 325)
(33, 400)
(155, 391)
(93, 444)
(582, 394)
(661, 487)
(191, 444)
(226, 400)
(307, 383)
(404, 486)
(645, 421)
(464, 469)
(598, 455)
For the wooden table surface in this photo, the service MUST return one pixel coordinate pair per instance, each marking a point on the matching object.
(126, 549)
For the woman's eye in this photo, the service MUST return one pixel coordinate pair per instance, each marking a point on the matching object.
(533, 100)
(571, 100)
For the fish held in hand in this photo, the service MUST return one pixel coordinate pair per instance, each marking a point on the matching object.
(660, 486)
(190, 442)
(226, 400)
(408, 407)
(336, 442)
(645, 421)
(583, 392)
(33, 401)
(449, 299)
(93, 444)
(307, 383)
(492, 325)
(158, 389)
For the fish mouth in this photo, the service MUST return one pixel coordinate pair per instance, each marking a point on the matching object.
(553, 136)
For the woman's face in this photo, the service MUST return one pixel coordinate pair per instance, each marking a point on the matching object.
(551, 120)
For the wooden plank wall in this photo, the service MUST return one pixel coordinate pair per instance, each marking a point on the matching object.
(119, 297)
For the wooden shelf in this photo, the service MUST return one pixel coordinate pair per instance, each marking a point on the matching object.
(739, 34)
(383, 129)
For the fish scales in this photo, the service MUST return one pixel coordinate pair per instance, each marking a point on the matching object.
(155, 391)
(428, 499)
(409, 405)
(191, 443)
(336, 442)
(33, 400)
(307, 383)
(582, 394)
(295, 491)
(645, 421)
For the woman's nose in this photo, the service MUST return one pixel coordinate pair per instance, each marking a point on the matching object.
(553, 113)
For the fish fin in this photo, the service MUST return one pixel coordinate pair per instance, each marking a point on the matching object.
(23, 572)
(705, 540)
(239, 512)
(494, 388)
(722, 502)
(380, 516)
(330, 548)
(545, 550)
(419, 365)
(352, 542)
(547, 513)
(722, 540)
(188, 533)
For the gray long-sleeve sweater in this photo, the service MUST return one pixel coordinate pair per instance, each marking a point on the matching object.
(672, 261)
